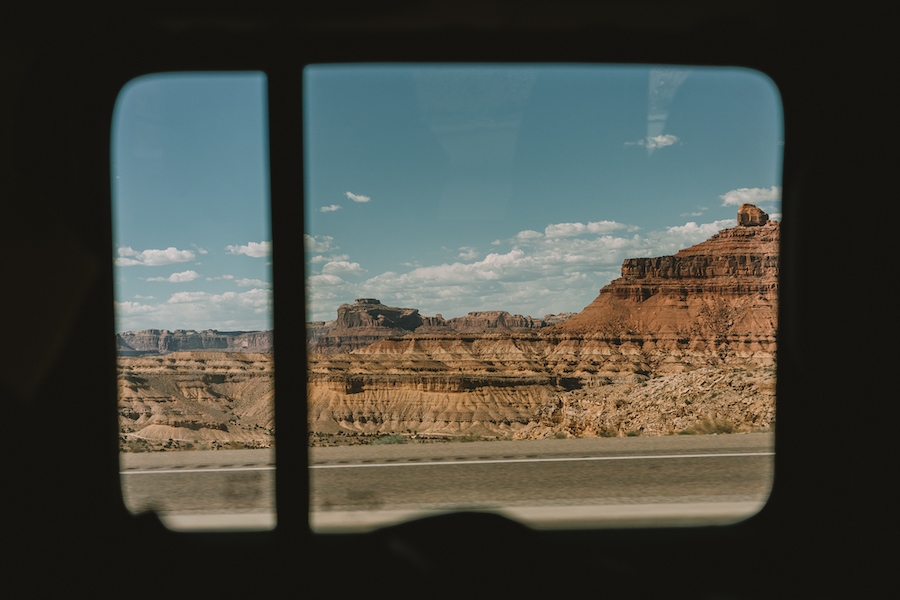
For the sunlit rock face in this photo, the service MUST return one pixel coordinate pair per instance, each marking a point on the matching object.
(367, 321)
(678, 343)
(721, 291)
(196, 400)
(749, 216)
(362, 323)
(682, 343)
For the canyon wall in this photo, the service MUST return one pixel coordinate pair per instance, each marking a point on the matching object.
(677, 344)
(196, 400)
(682, 343)
(367, 321)
(165, 341)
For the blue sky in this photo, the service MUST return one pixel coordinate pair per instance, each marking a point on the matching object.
(448, 189)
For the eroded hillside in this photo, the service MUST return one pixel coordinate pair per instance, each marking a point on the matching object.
(196, 400)
(678, 344)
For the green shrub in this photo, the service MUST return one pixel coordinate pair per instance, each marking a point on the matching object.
(393, 438)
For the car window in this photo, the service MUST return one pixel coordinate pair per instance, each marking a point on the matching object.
(193, 305)
(548, 291)
(544, 290)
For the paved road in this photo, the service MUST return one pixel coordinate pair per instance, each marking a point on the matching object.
(677, 480)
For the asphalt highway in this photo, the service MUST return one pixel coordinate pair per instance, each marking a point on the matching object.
(604, 482)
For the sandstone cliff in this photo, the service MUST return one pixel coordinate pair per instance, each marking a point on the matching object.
(682, 343)
(721, 292)
(678, 344)
(196, 400)
(164, 341)
(367, 321)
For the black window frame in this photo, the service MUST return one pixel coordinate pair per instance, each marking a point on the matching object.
(65, 96)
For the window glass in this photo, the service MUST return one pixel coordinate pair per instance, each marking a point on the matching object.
(572, 268)
(193, 299)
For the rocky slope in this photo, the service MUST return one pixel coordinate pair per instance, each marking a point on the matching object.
(722, 291)
(201, 400)
(682, 343)
(678, 344)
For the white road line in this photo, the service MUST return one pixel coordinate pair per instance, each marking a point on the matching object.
(222, 470)
(538, 460)
(460, 462)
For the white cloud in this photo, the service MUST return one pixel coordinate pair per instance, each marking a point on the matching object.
(325, 279)
(751, 196)
(555, 273)
(251, 298)
(697, 213)
(181, 277)
(468, 253)
(661, 141)
(527, 236)
(557, 230)
(183, 297)
(703, 230)
(129, 257)
(357, 197)
(220, 277)
(656, 141)
(252, 249)
(318, 243)
(132, 308)
(235, 311)
(330, 208)
(321, 258)
(342, 267)
(245, 282)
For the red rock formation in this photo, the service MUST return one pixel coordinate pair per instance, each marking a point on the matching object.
(362, 323)
(722, 290)
(367, 321)
(369, 312)
(749, 215)
(493, 320)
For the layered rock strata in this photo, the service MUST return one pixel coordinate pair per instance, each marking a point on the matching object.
(678, 344)
(201, 400)
(682, 343)
(367, 321)
(724, 290)
(164, 341)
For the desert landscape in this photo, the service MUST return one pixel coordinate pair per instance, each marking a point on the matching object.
(681, 344)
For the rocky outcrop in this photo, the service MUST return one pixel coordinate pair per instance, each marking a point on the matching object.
(749, 216)
(494, 320)
(369, 312)
(164, 341)
(678, 344)
(367, 321)
(705, 400)
(723, 291)
(362, 323)
(555, 319)
(196, 400)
